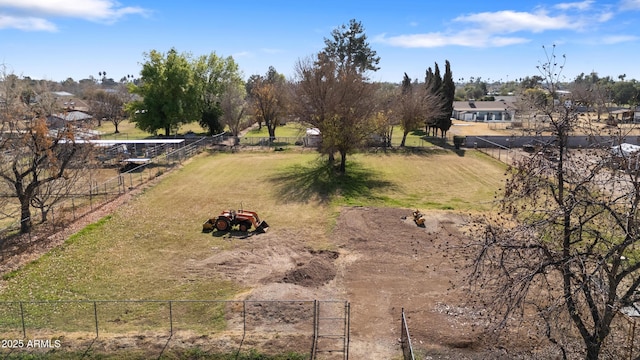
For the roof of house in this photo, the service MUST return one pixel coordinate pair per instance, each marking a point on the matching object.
(66, 100)
(472, 106)
(62, 93)
(73, 116)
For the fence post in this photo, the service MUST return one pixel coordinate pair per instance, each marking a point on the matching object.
(347, 329)
(402, 331)
(95, 315)
(244, 318)
(170, 319)
(315, 329)
(24, 329)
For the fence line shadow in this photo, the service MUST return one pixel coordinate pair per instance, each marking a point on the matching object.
(164, 348)
(86, 352)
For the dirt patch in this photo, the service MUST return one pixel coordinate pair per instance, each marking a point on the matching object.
(316, 272)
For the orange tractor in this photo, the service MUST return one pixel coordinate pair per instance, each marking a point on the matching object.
(244, 219)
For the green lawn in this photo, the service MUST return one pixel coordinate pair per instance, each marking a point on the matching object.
(414, 138)
(295, 130)
(292, 129)
(129, 131)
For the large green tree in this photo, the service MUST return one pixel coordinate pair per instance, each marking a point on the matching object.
(216, 75)
(349, 50)
(626, 92)
(170, 92)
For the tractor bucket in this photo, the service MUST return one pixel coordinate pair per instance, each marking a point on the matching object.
(208, 226)
(262, 227)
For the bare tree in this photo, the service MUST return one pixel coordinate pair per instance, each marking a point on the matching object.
(269, 99)
(417, 102)
(562, 252)
(340, 104)
(234, 108)
(333, 91)
(385, 118)
(108, 106)
(33, 156)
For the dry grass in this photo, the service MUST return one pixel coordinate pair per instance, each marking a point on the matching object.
(144, 249)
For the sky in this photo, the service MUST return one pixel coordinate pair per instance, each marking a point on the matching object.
(493, 40)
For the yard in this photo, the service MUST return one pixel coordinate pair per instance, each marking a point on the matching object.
(151, 247)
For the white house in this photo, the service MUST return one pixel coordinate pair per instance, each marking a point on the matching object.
(482, 111)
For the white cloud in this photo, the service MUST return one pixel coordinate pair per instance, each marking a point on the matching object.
(508, 27)
(582, 5)
(513, 21)
(630, 4)
(437, 39)
(26, 23)
(617, 39)
(37, 12)
(605, 16)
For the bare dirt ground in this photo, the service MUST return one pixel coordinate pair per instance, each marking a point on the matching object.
(382, 262)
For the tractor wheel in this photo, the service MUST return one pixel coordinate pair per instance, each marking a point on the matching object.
(222, 224)
(245, 226)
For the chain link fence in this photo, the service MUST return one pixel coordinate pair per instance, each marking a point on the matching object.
(91, 194)
(214, 326)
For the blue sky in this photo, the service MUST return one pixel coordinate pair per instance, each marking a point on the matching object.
(494, 40)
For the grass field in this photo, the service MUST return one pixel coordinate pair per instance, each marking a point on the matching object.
(139, 251)
(129, 131)
(292, 129)
(143, 250)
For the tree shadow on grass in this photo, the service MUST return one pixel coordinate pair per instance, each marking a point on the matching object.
(318, 180)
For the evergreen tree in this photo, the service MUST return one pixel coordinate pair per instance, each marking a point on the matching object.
(433, 83)
(448, 92)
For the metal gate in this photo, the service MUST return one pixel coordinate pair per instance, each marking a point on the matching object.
(331, 330)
